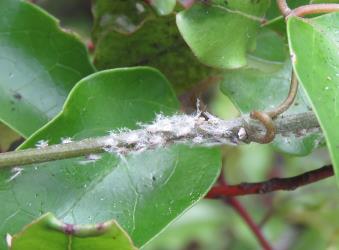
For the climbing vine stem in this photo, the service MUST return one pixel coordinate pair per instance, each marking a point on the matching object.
(289, 100)
(177, 129)
(306, 9)
(314, 9)
(283, 7)
(266, 117)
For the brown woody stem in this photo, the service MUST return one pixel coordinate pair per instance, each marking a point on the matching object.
(275, 184)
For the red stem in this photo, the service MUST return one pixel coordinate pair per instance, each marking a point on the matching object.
(237, 206)
(271, 185)
(240, 209)
(226, 192)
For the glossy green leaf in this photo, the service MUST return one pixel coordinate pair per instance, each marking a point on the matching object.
(163, 7)
(48, 232)
(264, 84)
(270, 48)
(315, 45)
(39, 65)
(129, 33)
(144, 192)
(221, 32)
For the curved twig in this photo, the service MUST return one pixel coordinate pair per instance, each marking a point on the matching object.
(267, 121)
(314, 9)
(306, 9)
(266, 117)
(283, 7)
(289, 99)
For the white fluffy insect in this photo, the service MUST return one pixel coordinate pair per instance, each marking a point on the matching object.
(242, 134)
(16, 172)
(66, 140)
(90, 159)
(41, 144)
(9, 240)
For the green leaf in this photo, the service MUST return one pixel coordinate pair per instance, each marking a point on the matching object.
(270, 48)
(129, 33)
(220, 33)
(144, 192)
(48, 232)
(39, 65)
(163, 7)
(315, 45)
(264, 84)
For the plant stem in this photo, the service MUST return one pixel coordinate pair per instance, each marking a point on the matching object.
(272, 185)
(306, 9)
(241, 210)
(283, 7)
(314, 9)
(53, 152)
(266, 121)
(179, 129)
(227, 193)
(266, 117)
(289, 100)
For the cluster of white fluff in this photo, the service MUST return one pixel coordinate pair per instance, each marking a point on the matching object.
(179, 128)
(200, 128)
(66, 140)
(41, 144)
(90, 159)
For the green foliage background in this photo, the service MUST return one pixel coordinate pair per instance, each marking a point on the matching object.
(51, 87)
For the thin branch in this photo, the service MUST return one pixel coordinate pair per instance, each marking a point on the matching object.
(266, 118)
(243, 213)
(237, 206)
(227, 193)
(314, 9)
(164, 131)
(292, 93)
(283, 7)
(306, 9)
(272, 185)
(267, 121)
